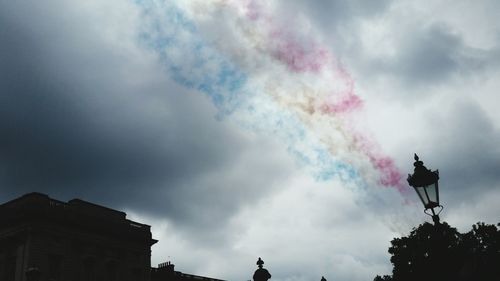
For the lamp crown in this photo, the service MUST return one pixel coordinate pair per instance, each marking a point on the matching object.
(422, 176)
(417, 163)
(260, 262)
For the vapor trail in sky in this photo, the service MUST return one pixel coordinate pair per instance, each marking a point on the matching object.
(271, 73)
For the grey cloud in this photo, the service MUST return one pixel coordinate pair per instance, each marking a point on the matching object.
(465, 150)
(424, 57)
(432, 55)
(329, 14)
(62, 128)
(435, 54)
(428, 57)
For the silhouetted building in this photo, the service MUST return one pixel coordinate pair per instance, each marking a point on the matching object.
(165, 272)
(43, 239)
(71, 241)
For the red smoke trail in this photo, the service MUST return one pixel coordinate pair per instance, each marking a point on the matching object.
(306, 56)
(300, 59)
(389, 173)
(313, 60)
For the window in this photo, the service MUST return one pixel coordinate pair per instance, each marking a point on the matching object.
(55, 265)
(10, 268)
(89, 270)
(111, 271)
(136, 274)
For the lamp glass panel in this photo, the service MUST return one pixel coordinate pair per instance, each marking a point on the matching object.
(432, 192)
(421, 193)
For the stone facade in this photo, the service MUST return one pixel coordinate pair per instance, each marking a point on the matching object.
(71, 241)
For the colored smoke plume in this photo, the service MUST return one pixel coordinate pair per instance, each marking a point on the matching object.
(275, 72)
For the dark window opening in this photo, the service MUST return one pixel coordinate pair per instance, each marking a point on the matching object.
(111, 271)
(89, 273)
(55, 266)
(136, 274)
(10, 268)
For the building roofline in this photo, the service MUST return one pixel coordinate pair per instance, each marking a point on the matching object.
(34, 200)
(25, 196)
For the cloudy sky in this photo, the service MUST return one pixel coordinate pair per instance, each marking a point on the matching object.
(239, 129)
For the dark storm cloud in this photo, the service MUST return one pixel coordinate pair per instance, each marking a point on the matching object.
(413, 49)
(83, 116)
(60, 128)
(465, 150)
(431, 55)
(330, 14)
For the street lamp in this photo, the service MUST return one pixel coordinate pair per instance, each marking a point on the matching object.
(425, 183)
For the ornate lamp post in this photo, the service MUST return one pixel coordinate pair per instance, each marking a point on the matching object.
(425, 183)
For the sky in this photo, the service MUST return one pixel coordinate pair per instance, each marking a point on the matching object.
(244, 129)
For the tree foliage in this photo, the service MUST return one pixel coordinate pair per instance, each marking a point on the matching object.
(440, 252)
(383, 278)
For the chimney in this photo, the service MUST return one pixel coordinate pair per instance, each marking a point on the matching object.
(168, 266)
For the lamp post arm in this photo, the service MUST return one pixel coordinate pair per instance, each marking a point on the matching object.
(434, 215)
(435, 219)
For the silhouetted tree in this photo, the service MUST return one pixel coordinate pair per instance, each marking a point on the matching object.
(440, 252)
(383, 278)
(481, 246)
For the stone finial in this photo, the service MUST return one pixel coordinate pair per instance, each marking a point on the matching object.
(261, 274)
(260, 262)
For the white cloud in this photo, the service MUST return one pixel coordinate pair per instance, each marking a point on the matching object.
(303, 231)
